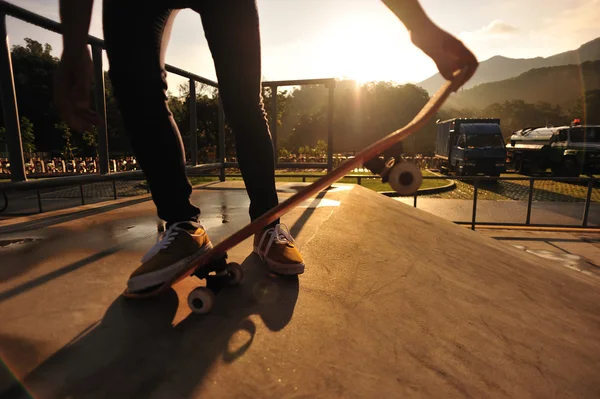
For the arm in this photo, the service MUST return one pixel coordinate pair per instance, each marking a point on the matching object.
(409, 12)
(449, 53)
(75, 16)
(73, 79)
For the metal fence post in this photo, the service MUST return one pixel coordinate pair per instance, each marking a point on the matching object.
(331, 86)
(221, 142)
(82, 197)
(529, 202)
(100, 109)
(10, 109)
(475, 186)
(588, 199)
(274, 122)
(39, 198)
(193, 123)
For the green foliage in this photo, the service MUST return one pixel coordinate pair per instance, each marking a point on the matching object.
(34, 66)
(282, 152)
(362, 114)
(27, 137)
(68, 149)
(587, 108)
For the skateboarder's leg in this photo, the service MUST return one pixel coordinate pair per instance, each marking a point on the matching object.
(136, 38)
(136, 35)
(232, 30)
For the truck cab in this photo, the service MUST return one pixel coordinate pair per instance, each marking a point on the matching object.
(471, 147)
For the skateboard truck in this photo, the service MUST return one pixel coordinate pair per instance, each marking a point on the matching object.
(218, 275)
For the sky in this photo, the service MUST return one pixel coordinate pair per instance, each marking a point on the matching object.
(362, 39)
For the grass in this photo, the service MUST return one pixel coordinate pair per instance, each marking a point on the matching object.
(518, 190)
(374, 183)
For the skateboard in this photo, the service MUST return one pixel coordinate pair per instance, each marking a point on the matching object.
(213, 266)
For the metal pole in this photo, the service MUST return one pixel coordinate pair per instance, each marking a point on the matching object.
(415, 202)
(10, 109)
(274, 121)
(101, 110)
(588, 199)
(39, 198)
(221, 142)
(475, 186)
(81, 191)
(193, 123)
(529, 201)
(115, 189)
(330, 127)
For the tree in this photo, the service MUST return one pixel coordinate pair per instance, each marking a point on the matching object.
(587, 108)
(321, 148)
(27, 137)
(34, 66)
(68, 149)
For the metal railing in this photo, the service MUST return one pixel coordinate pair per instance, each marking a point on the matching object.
(11, 113)
(591, 181)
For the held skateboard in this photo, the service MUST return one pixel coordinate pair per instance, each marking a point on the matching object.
(213, 266)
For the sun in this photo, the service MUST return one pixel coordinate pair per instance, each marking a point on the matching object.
(368, 48)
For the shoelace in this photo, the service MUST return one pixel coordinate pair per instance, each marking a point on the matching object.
(278, 235)
(163, 241)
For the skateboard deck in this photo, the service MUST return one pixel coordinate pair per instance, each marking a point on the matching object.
(219, 251)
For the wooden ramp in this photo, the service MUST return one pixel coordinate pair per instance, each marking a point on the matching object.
(394, 303)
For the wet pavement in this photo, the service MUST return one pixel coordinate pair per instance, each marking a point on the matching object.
(395, 302)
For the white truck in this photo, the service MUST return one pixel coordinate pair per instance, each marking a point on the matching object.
(568, 151)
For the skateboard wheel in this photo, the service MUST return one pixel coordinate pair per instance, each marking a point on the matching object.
(405, 178)
(236, 273)
(201, 300)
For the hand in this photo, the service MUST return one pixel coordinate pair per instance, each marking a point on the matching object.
(448, 53)
(72, 83)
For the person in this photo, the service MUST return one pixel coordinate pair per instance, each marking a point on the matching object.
(136, 34)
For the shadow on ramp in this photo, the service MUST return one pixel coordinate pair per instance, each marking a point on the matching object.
(135, 351)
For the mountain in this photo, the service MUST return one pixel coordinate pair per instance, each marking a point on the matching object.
(558, 85)
(500, 68)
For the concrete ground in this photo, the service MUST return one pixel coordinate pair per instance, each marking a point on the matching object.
(542, 212)
(395, 302)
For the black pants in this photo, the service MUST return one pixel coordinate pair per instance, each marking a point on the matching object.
(136, 33)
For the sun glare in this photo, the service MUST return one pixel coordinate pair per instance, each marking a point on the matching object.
(368, 48)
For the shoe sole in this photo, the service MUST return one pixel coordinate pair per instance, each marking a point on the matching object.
(159, 277)
(285, 269)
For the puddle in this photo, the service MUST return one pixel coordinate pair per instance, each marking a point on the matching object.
(571, 261)
(4, 244)
(295, 187)
(318, 203)
(556, 256)
(210, 223)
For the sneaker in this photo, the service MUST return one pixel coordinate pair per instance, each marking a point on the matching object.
(278, 249)
(180, 244)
